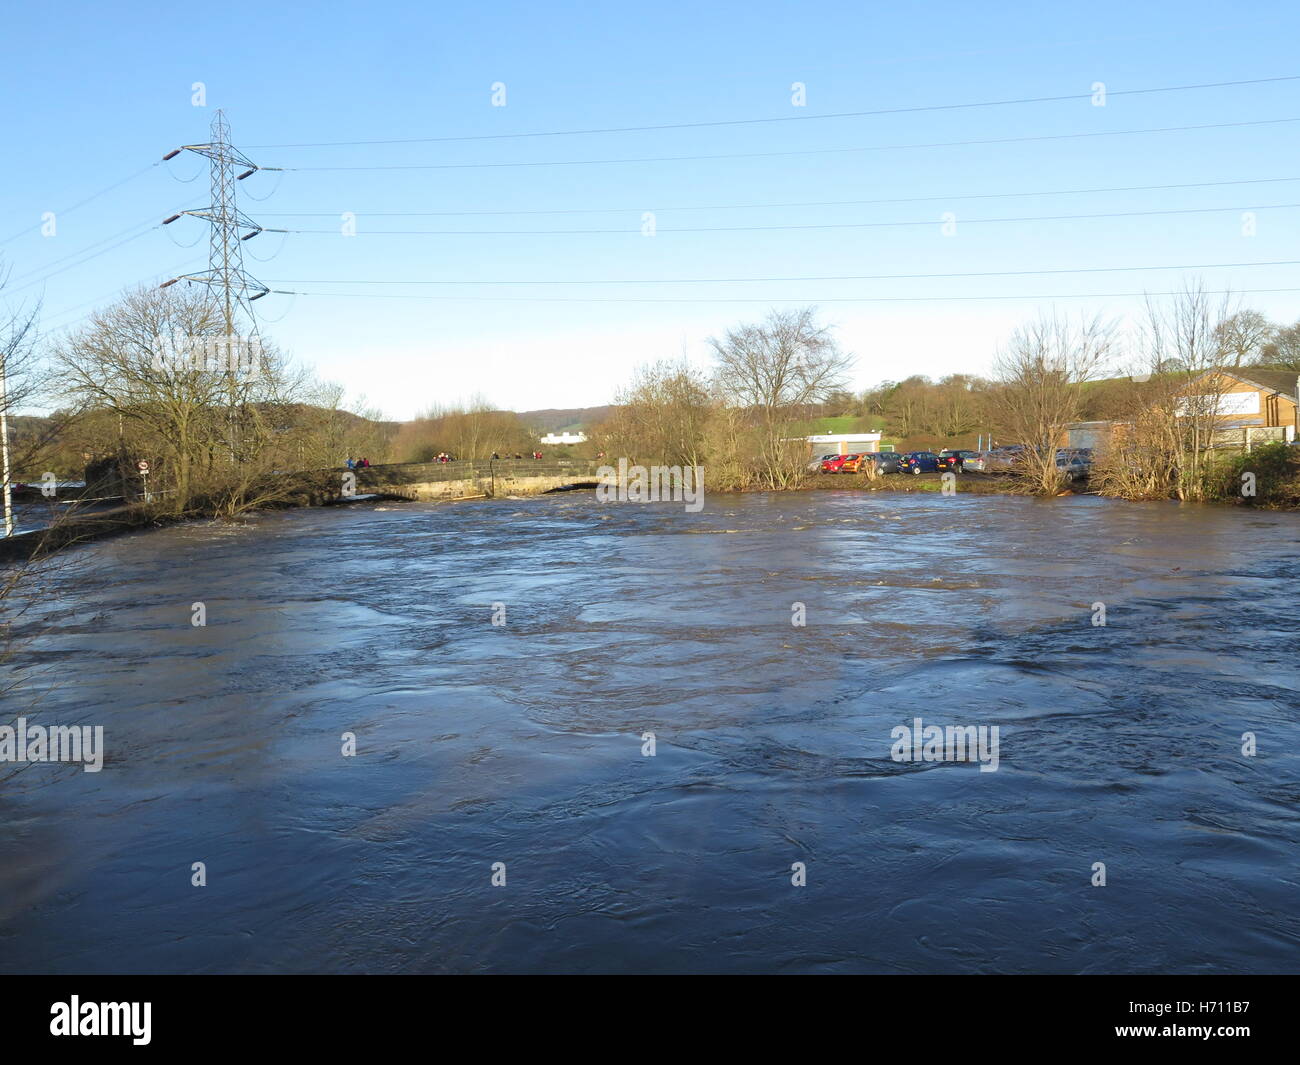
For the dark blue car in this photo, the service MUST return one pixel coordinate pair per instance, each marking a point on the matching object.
(919, 462)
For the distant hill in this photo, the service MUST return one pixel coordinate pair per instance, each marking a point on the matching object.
(543, 421)
(554, 419)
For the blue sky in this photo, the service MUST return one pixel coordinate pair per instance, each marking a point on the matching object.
(99, 94)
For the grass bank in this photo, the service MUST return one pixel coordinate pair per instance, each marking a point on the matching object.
(980, 484)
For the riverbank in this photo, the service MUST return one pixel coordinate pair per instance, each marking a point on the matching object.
(104, 524)
(966, 483)
(101, 525)
(1272, 493)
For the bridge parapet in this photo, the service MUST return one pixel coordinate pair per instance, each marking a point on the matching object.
(425, 472)
(453, 480)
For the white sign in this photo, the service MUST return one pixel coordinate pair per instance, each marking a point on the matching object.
(1228, 403)
(144, 466)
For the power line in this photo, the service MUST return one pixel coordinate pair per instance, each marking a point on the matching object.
(819, 277)
(81, 203)
(148, 225)
(777, 299)
(79, 262)
(805, 203)
(797, 226)
(787, 118)
(113, 292)
(804, 152)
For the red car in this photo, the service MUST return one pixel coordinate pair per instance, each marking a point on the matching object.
(833, 464)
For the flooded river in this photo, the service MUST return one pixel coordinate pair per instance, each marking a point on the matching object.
(523, 742)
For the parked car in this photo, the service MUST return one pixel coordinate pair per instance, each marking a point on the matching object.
(886, 461)
(954, 459)
(816, 463)
(1076, 461)
(852, 463)
(920, 462)
(833, 463)
(999, 460)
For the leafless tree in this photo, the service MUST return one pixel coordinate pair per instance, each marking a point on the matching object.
(1183, 346)
(662, 417)
(1160, 445)
(1283, 349)
(775, 371)
(18, 337)
(471, 430)
(1041, 376)
(211, 427)
(1242, 337)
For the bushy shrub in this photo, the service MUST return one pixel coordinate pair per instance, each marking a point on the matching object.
(1269, 474)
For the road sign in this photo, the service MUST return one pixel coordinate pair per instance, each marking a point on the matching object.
(143, 465)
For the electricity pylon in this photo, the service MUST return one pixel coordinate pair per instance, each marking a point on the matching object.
(230, 227)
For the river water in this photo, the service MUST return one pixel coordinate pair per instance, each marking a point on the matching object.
(522, 743)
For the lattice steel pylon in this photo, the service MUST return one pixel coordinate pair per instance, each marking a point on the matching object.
(230, 227)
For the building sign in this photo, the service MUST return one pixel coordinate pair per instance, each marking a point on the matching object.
(1228, 403)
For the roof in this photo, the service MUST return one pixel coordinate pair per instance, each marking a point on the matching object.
(1283, 381)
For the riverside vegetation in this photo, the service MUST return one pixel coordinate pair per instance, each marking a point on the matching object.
(221, 443)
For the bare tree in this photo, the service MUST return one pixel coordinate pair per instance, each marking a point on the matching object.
(18, 336)
(211, 427)
(1183, 346)
(334, 431)
(1243, 336)
(473, 430)
(776, 370)
(1283, 350)
(662, 418)
(1041, 377)
(1161, 444)
(17, 381)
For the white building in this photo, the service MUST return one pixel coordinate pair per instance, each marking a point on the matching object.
(555, 439)
(844, 443)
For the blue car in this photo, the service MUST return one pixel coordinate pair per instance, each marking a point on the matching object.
(919, 462)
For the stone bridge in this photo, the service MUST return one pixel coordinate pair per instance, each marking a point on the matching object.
(466, 480)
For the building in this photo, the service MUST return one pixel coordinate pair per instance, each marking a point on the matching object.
(843, 443)
(558, 439)
(1249, 406)
(1250, 398)
(1086, 434)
